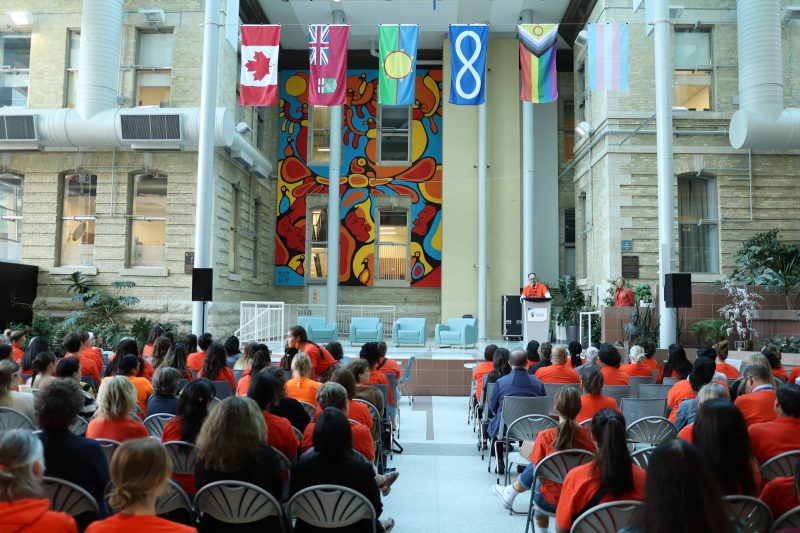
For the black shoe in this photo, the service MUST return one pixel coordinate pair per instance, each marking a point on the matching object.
(388, 469)
(501, 469)
(520, 469)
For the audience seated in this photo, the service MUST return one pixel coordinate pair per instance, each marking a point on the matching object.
(567, 436)
(558, 372)
(215, 365)
(191, 344)
(782, 494)
(302, 387)
(483, 368)
(500, 368)
(795, 374)
(21, 507)
(773, 355)
(161, 348)
(610, 476)
(17, 341)
(176, 358)
(686, 389)
(335, 349)
(386, 365)
(322, 362)
(124, 347)
(332, 438)
(360, 370)
(371, 353)
(288, 408)
(676, 470)
(37, 345)
(532, 353)
(260, 361)
(195, 360)
(129, 367)
(116, 406)
(545, 350)
(70, 368)
(710, 353)
(233, 446)
(782, 434)
(232, 351)
(739, 386)
(263, 391)
(246, 360)
(610, 360)
(720, 435)
(676, 365)
(165, 386)
(758, 404)
(44, 369)
(191, 411)
(149, 346)
(638, 367)
(649, 354)
(590, 355)
(140, 471)
(574, 360)
(730, 371)
(73, 347)
(356, 410)
(9, 396)
(687, 412)
(593, 400)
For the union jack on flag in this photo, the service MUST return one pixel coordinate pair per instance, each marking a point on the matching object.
(318, 41)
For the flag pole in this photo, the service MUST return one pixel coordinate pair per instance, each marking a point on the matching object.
(205, 154)
(334, 171)
(527, 176)
(483, 267)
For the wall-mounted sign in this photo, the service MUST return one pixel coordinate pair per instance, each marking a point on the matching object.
(626, 246)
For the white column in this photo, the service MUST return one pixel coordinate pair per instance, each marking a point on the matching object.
(333, 202)
(205, 154)
(666, 199)
(483, 268)
(526, 175)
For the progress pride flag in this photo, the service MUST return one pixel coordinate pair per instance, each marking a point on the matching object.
(259, 75)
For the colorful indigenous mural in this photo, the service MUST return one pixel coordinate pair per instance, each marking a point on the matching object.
(362, 180)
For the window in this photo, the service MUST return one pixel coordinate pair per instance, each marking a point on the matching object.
(693, 69)
(10, 217)
(394, 135)
(233, 262)
(697, 219)
(73, 52)
(14, 69)
(148, 220)
(320, 130)
(78, 209)
(569, 242)
(317, 239)
(153, 69)
(392, 246)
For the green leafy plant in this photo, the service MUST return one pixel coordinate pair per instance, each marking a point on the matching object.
(595, 331)
(643, 293)
(767, 261)
(708, 332)
(573, 300)
(784, 344)
(609, 298)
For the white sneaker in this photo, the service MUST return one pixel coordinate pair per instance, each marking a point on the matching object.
(506, 494)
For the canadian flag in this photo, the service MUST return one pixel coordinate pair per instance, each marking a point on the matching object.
(258, 83)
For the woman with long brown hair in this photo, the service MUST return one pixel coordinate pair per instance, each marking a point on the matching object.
(322, 361)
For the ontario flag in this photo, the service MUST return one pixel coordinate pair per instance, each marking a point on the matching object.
(258, 83)
(327, 54)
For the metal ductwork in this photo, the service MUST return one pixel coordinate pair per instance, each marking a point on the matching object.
(97, 123)
(761, 121)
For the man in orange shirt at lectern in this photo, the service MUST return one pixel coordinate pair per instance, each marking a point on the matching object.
(535, 289)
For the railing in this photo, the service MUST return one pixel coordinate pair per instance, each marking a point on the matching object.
(384, 313)
(262, 322)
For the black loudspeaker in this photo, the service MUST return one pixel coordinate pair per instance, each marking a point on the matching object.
(512, 316)
(678, 290)
(202, 284)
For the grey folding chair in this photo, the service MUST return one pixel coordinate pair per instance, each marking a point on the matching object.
(394, 411)
(330, 506)
(618, 392)
(788, 520)
(155, 423)
(182, 455)
(298, 434)
(782, 465)
(485, 418)
(286, 465)
(310, 409)
(636, 408)
(237, 375)
(525, 428)
(653, 391)
(236, 502)
(79, 426)
(671, 381)
(607, 517)
(515, 407)
(109, 447)
(641, 457)
(222, 389)
(175, 499)
(651, 430)
(13, 419)
(750, 513)
(635, 381)
(401, 385)
(555, 467)
(68, 497)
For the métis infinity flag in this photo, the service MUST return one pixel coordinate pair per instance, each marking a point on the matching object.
(537, 61)
(327, 52)
(608, 57)
(398, 63)
(258, 79)
(468, 63)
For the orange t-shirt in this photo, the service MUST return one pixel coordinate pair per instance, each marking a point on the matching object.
(88, 366)
(729, 370)
(679, 392)
(652, 363)
(592, 403)
(303, 389)
(321, 359)
(780, 495)
(660, 377)
(147, 350)
(362, 440)
(780, 373)
(172, 432)
(244, 383)
(195, 361)
(639, 370)
(557, 374)
(147, 370)
(757, 407)
(387, 366)
(144, 389)
(535, 291)
(359, 412)
(624, 297)
(118, 429)
(545, 445)
(18, 354)
(280, 435)
(224, 374)
(94, 355)
(687, 433)
(775, 437)
(795, 374)
(31, 515)
(478, 373)
(580, 486)
(378, 378)
(614, 376)
(124, 522)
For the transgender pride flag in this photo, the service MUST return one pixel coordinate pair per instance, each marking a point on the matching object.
(608, 57)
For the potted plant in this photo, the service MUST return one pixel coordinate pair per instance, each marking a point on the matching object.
(643, 295)
(573, 301)
(709, 332)
(767, 261)
(608, 301)
(740, 312)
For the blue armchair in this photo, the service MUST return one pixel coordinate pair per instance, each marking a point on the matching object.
(365, 329)
(318, 330)
(409, 331)
(457, 332)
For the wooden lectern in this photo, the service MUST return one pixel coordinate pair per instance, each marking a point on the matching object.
(535, 319)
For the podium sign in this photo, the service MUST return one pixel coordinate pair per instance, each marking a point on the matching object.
(536, 324)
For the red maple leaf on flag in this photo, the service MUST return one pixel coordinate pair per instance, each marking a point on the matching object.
(259, 65)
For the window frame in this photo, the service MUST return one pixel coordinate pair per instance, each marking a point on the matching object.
(233, 223)
(712, 207)
(315, 202)
(21, 72)
(14, 217)
(70, 72)
(131, 217)
(311, 130)
(708, 69)
(394, 132)
(140, 69)
(256, 233)
(62, 190)
(392, 203)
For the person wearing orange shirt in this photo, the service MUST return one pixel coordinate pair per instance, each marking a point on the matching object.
(623, 296)
(650, 354)
(773, 355)
(567, 436)
(322, 361)
(782, 434)
(386, 365)
(280, 435)
(481, 369)
(17, 341)
(592, 400)
(140, 472)
(611, 471)
(215, 365)
(116, 405)
(72, 345)
(687, 389)
(638, 366)
(730, 371)
(301, 387)
(370, 352)
(357, 411)
(535, 289)
(610, 361)
(144, 389)
(793, 377)
(22, 509)
(196, 359)
(154, 333)
(261, 360)
(677, 364)
(558, 371)
(758, 404)
(782, 494)
(88, 349)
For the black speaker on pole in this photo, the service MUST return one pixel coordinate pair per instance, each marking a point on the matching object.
(678, 290)
(202, 284)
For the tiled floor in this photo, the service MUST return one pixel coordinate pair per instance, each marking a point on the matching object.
(444, 486)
